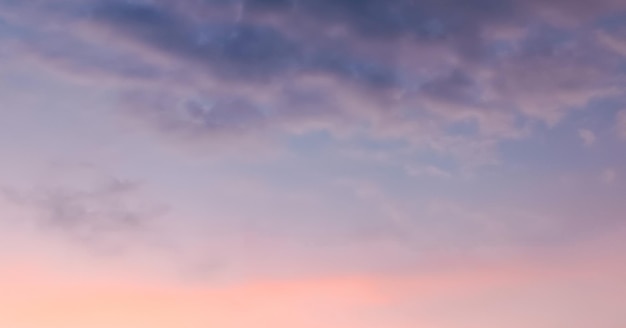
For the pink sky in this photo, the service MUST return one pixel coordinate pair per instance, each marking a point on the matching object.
(312, 163)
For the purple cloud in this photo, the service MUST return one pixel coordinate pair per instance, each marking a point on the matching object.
(391, 70)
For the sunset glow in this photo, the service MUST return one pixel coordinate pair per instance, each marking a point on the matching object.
(312, 164)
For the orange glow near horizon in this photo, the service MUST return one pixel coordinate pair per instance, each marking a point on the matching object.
(35, 297)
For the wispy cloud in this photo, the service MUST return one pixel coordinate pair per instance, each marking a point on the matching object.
(587, 136)
(106, 215)
(204, 69)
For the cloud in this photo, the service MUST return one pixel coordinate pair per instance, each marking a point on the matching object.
(214, 69)
(448, 225)
(105, 215)
(228, 50)
(587, 136)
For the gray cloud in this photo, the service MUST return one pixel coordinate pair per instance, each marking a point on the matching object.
(242, 51)
(236, 50)
(399, 69)
(106, 215)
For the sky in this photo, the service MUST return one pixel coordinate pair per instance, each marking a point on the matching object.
(312, 163)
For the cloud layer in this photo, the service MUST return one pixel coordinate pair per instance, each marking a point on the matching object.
(437, 75)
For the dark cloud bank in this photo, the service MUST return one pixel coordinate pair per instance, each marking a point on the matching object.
(403, 69)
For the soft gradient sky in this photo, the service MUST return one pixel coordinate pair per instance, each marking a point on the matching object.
(313, 163)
